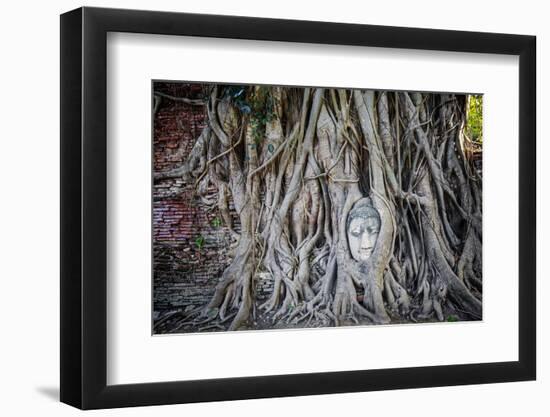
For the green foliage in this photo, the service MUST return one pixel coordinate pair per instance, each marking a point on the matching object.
(474, 128)
(199, 242)
(262, 112)
(452, 318)
(216, 222)
(256, 102)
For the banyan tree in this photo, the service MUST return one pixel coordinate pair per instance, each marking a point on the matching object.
(360, 206)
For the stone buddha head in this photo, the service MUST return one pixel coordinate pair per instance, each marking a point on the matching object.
(363, 227)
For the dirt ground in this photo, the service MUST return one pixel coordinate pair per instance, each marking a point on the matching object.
(177, 321)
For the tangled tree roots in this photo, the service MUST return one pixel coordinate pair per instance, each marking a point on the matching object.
(293, 162)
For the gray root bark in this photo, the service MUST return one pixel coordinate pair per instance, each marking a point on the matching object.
(293, 169)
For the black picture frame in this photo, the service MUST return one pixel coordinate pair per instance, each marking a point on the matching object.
(84, 207)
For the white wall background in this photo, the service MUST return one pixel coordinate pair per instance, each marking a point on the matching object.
(29, 225)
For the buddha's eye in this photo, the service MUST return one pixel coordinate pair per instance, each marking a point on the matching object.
(356, 232)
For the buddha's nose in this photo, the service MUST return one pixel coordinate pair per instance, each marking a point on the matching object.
(367, 241)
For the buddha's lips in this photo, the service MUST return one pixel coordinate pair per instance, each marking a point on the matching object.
(365, 252)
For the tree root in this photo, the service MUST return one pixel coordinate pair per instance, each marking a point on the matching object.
(294, 166)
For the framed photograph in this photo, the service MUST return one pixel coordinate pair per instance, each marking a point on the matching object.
(256, 208)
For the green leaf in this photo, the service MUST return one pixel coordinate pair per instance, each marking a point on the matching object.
(199, 241)
(474, 128)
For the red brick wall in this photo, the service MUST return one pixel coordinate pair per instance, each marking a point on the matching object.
(176, 127)
(184, 275)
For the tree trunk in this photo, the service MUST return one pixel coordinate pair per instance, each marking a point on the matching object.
(310, 170)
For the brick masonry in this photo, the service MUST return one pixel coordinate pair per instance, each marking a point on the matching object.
(191, 249)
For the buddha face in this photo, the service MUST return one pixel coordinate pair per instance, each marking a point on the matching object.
(363, 230)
